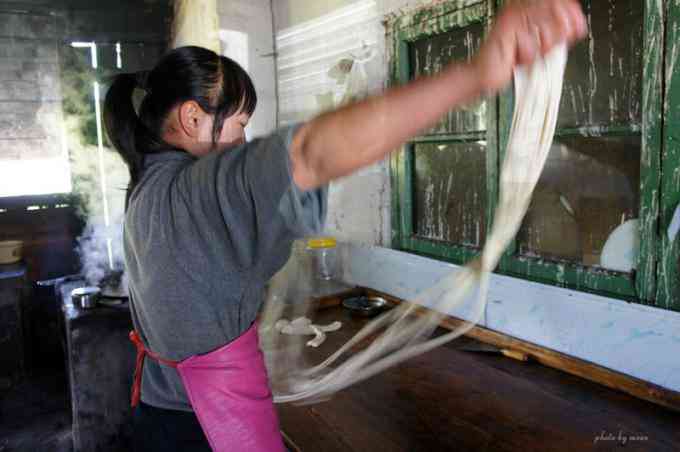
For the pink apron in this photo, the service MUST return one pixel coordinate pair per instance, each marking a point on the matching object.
(229, 392)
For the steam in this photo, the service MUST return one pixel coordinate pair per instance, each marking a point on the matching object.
(99, 181)
(98, 173)
(101, 251)
(100, 247)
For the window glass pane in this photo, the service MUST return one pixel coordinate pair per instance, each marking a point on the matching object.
(450, 192)
(587, 196)
(610, 91)
(430, 55)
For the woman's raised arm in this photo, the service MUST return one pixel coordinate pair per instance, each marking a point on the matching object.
(340, 142)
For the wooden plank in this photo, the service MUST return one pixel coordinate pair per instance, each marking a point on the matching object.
(443, 250)
(455, 138)
(397, 21)
(400, 159)
(429, 20)
(573, 276)
(650, 158)
(550, 358)
(599, 131)
(289, 443)
(418, 24)
(395, 205)
(493, 161)
(407, 194)
(668, 288)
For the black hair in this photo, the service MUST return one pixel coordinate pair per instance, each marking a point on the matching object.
(218, 84)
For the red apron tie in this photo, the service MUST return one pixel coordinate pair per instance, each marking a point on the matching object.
(139, 366)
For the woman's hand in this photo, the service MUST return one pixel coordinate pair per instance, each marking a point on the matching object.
(525, 30)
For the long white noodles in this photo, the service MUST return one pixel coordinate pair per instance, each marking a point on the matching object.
(402, 334)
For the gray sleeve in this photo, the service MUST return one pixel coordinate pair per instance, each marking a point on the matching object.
(249, 190)
(271, 181)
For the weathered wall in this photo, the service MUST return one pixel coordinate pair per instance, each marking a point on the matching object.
(246, 36)
(30, 97)
(288, 13)
(38, 118)
(313, 38)
(32, 135)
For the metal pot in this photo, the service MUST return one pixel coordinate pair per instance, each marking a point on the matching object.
(85, 297)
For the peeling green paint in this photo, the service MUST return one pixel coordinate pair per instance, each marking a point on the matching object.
(415, 17)
(652, 103)
(434, 25)
(563, 273)
(668, 291)
(600, 131)
(404, 30)
(657, 279)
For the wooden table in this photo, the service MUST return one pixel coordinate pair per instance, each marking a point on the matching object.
(454, 400)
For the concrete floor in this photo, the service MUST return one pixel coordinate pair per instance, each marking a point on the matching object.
(35, 415)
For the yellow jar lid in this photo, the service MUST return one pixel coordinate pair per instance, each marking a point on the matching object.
(321, 242)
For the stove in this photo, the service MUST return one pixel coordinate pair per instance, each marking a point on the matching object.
(100, 361)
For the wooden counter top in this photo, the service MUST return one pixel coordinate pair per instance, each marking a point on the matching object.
(454, 400)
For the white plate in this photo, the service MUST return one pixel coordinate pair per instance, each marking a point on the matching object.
(620, 252)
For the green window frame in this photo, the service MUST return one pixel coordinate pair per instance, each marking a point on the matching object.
(441, 19)
(654, 281)
(667, 23)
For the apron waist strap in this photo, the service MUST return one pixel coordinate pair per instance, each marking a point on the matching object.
(142, 353)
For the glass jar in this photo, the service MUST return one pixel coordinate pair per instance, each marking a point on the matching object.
(323, 255)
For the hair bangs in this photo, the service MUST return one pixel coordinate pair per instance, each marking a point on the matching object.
(237, 95)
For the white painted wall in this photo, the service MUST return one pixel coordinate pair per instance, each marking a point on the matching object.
(247, 37)
(311, 41)
(636, 340)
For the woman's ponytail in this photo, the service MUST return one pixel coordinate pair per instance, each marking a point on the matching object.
(122, 124)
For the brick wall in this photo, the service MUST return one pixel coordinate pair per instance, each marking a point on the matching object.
(33, 37)
(31, 33)
(30, 102)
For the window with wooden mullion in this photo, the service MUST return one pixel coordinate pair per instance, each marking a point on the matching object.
(442, 175)
(592, 214)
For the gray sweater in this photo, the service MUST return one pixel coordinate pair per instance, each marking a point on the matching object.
(202, 237)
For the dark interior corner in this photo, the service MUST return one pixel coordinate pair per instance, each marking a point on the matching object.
(45, 79)
(34, 403)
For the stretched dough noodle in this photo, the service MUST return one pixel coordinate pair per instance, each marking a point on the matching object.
(402, 334)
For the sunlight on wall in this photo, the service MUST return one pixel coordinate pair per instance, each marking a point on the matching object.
(35, 177)
(328, 61)
(235, 46)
